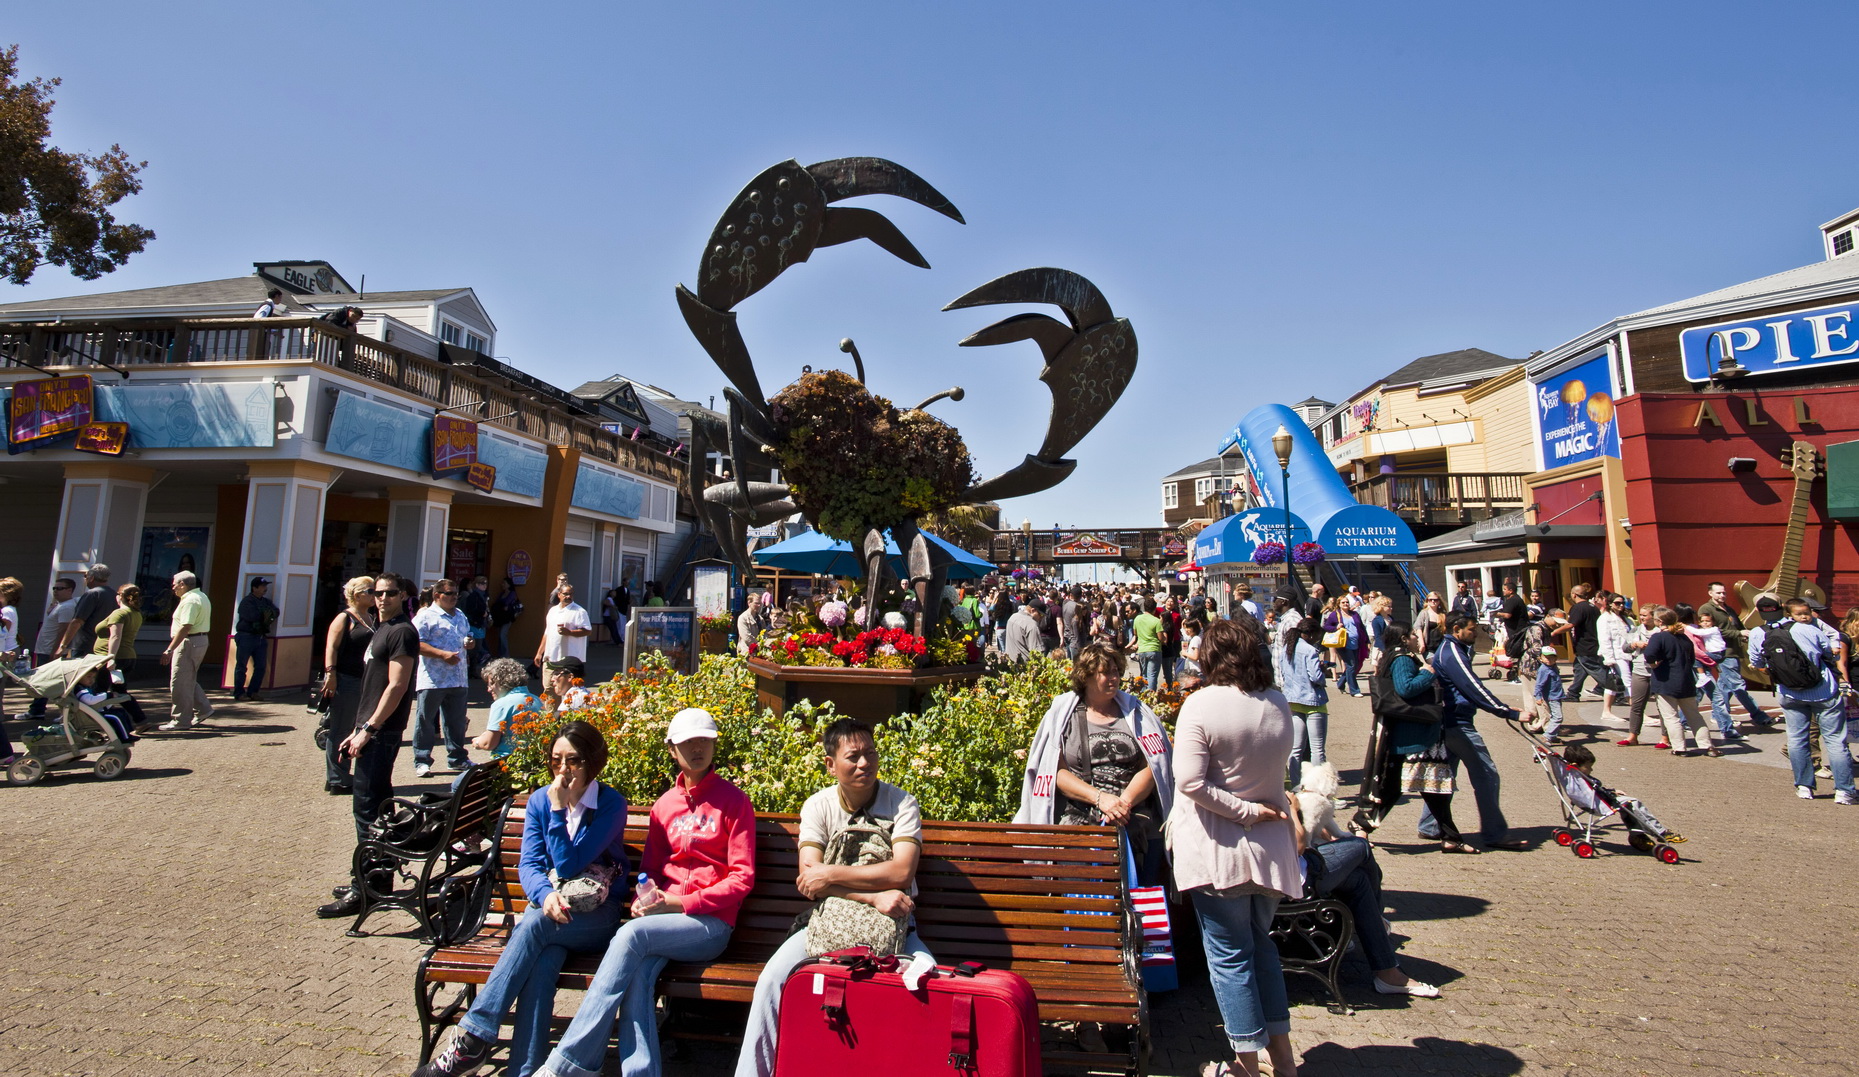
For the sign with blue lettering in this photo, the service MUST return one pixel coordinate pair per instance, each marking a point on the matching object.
(1575, 412)
(1233, 540)
(1773, 343)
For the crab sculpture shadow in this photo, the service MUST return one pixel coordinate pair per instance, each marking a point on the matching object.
(826, 427)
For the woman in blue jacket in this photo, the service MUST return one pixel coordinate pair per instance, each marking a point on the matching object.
(1300, 670)
(572, 824)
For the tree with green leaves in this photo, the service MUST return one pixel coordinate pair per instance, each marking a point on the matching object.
(54, 205)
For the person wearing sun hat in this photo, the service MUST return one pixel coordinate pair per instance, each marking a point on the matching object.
(700, 857)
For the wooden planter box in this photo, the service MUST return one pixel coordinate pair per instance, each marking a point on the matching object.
(713, 642)
(871, 694)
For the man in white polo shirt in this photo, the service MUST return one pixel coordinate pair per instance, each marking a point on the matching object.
(565, 632)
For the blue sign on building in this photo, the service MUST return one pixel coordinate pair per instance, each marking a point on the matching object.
(1773, 343)
(1575, 412)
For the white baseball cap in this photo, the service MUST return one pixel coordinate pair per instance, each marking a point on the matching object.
(690, 722)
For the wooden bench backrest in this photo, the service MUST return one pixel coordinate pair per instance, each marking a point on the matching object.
(1001, 893)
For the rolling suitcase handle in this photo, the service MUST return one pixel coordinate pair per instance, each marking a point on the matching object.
(962, 1031)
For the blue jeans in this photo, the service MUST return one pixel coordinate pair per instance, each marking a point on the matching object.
(758, 1037)
(1468, 747)
(431, 705)
(1730, 684)
(1350, 661)
(247, 647)
(1552, 707)
(1242, 961)
(624, 984)
(525, 978)
(1351, 876)
(1830, 716)
(1309, 731)
(1149, 663)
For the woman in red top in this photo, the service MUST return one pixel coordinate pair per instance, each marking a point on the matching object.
(700, 856)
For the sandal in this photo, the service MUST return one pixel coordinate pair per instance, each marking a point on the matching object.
(1457, 847)
(1630, 742)
(1714, 753)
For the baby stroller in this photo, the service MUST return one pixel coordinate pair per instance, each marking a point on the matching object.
(77, 731)
(1587, 805)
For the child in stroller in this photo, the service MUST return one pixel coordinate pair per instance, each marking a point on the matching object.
(87, 722)
(1586, 804)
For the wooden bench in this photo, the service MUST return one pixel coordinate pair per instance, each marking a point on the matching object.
(1047, 902)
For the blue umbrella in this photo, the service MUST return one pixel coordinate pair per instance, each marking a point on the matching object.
(821, 554)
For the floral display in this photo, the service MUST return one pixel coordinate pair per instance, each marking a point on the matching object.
(876, 648)
(1307, 553)
(962, 757)
(833, 614)
(715, 623)
(853, 462)
(1268, 553)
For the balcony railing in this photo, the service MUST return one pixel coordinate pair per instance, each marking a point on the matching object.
(101, 345)
(1443, 497)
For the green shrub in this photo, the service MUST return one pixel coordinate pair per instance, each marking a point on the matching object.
(963, 757)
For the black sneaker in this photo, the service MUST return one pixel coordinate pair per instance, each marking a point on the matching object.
(347, 903)
(465, 1056)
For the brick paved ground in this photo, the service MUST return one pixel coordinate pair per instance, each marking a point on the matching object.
(161, 924)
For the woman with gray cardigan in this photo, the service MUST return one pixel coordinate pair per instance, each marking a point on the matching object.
(1236, 841)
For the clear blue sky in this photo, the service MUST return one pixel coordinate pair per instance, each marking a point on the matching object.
(1286, 199)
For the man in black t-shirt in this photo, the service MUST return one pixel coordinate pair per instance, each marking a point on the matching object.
(1585, 633)
(98, 599)
(1516, 616)
(380, 716)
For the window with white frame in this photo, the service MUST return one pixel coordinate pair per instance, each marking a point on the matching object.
(475, 342)
(449, 333)
(1842, 242)
(1203, 489)
(1169, 498)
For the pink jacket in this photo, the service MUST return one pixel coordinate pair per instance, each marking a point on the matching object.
(700, 845)
(1230, 752)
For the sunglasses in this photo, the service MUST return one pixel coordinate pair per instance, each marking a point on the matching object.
(447, 594)
(384, 594)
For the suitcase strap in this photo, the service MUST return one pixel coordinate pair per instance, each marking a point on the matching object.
(962, 1031)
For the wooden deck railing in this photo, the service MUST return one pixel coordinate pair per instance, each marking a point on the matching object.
(1442, 497)
(96, 346)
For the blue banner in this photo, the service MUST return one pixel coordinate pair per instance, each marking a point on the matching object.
(1575, 413)
(600, 490)
(520, 468)
(192, 415)
(369, 430)
(1773, 343)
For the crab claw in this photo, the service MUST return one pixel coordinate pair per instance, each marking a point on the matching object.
(784, 214)
(1088, 365)
(849, 177)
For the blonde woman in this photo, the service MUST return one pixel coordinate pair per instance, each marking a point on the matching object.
(345, 652)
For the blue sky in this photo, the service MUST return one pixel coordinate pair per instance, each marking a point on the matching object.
(1286, 199)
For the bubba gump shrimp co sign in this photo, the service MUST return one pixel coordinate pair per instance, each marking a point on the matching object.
(49, 408)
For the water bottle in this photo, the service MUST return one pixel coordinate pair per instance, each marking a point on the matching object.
(647, 892)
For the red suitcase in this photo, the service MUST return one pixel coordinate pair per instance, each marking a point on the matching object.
(850, 1013)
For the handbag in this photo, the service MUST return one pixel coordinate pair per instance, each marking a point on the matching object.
(1336, 637)
(837, 923)
(587, 891)
(1610, 680)
(1390, 705)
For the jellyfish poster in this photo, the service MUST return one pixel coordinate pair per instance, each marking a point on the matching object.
(1575, 412)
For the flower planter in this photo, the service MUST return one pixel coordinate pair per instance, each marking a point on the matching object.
(713, 642)
(855, 691)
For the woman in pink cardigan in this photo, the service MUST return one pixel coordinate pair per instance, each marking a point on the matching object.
(1233, 837)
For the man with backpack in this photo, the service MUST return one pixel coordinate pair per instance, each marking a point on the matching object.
(1802, 657)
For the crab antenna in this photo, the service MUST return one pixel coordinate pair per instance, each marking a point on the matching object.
(846, 345)
(955, 394)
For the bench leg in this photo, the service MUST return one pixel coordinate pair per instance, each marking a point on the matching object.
(432, 1025)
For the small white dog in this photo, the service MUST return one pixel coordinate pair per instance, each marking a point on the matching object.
(1316, 802)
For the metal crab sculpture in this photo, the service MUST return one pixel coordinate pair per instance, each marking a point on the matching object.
(778, 220)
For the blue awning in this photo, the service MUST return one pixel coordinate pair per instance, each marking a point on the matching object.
(1233, 539)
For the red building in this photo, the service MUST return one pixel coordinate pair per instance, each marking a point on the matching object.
(1668, 442)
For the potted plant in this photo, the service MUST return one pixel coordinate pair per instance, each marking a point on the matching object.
(713, 634)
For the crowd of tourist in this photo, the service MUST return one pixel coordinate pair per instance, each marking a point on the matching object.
(1222, 810)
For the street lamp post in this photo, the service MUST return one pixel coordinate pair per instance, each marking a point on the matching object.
(1281, 445)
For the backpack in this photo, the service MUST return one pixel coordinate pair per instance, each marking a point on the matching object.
(1787, 663)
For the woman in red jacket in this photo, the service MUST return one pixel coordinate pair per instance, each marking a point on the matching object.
(700, 857)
